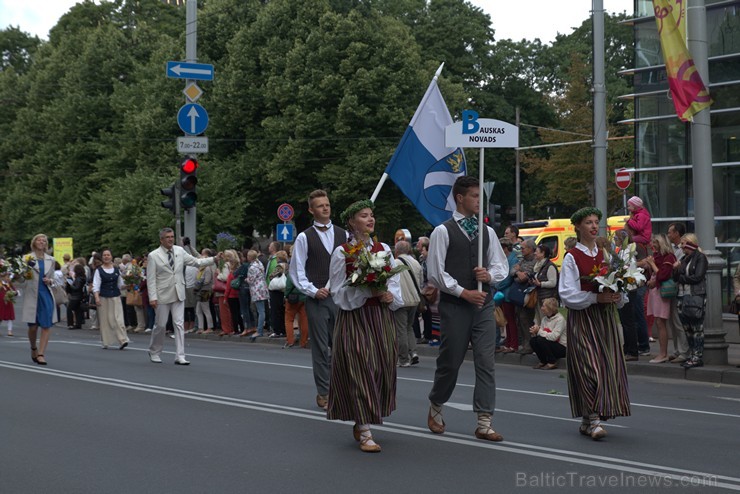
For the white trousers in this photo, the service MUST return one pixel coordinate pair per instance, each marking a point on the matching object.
(177, 309)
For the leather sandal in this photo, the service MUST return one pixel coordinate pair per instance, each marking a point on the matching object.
(34, 354)
(433, 425)
(39, 361)
(488, 434)
(369, 448)
(598, 432)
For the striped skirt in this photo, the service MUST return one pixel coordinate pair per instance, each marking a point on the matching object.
(362, 387)
(597, 376)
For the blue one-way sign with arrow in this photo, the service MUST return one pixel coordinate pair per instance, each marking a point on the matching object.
(285, 232)
(186, 70)
(192, 119)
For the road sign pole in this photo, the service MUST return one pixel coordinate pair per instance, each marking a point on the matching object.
(191, 49)
(624, 201)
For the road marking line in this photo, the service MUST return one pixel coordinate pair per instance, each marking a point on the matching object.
(429, 381)
(537, 450)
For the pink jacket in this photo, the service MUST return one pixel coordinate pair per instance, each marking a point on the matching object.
(641, 225)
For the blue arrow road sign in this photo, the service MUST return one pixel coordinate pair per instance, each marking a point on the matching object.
(192, 119)
(185, 70)
(285, 232)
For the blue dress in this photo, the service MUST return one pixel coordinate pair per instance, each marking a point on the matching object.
(45, 302)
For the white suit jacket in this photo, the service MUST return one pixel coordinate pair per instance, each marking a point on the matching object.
(166, 285)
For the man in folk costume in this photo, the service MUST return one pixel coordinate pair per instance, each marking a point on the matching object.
(309, 270)
(466, 312)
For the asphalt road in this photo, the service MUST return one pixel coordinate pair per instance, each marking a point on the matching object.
(242, 418)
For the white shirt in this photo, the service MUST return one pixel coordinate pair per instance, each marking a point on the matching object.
(494, 261)
(570, 282)
(300, 254)
(350, 297)
(96, 279)
(191, 274)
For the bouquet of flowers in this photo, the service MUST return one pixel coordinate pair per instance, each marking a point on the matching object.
(5, 267)
(133, 276)
(366, 268)
(20, 267)
(618, 272)
(225, 241)
(10, 295)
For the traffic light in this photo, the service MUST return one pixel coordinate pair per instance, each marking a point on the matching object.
(188, 182)
(169, 203)
(496, 216)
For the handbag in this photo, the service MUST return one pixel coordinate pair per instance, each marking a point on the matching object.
(277, 284)
(692, 307)
(236, 283)
(735, 306)
(133, 297)
(518, 292)
(668, 288)
(530, 299)
(422, 306)
(60, 294)
(500, 317)
(219, 286)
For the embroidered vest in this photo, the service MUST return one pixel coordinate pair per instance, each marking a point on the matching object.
(586, 265)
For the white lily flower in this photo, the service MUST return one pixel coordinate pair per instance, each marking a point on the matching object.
(378, 261)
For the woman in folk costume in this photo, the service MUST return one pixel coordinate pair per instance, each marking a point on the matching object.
(362, 387)
(597, 376)
(107, 285)
(39, 308)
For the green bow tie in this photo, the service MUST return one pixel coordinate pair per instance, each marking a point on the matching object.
(470, 225)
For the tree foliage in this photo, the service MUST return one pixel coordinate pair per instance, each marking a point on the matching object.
(306, 95)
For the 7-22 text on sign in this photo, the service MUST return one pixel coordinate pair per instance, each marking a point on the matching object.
(192, 145)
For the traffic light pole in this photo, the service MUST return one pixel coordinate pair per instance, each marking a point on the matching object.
(176, 199)
(191, 47)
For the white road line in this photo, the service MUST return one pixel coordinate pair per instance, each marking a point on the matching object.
(427, 381)
(537, 451)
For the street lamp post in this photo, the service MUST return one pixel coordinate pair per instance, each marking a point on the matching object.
(715, 346)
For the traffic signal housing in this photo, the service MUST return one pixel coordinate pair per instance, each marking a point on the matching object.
(495, 218)
(188, 182)
(169, 192)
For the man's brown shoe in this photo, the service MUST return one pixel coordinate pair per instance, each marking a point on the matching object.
(322, 401)
(433, 425)
(488, 434)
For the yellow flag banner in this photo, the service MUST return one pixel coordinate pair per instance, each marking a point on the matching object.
(689, 94)
(63, 246)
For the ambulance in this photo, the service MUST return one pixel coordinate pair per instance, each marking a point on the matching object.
(553, 232)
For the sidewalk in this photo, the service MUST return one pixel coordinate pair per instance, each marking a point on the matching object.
(720, 374)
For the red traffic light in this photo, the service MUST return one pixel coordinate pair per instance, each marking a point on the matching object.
(189, 165)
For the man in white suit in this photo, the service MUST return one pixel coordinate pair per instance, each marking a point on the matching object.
(165, 280)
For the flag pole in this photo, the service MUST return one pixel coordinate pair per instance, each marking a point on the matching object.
(381, 182)
(480, 219)
(384, 177)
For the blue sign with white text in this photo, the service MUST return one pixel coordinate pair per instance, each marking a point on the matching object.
(192, 119)
(186, 70)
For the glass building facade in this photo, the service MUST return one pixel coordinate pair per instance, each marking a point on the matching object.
(663, 143)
